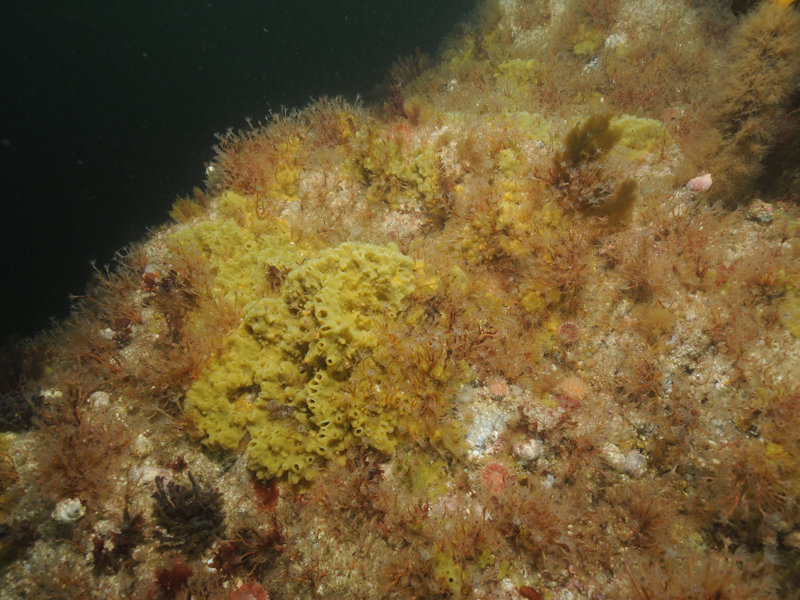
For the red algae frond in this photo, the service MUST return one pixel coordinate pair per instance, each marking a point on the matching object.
(494, 477)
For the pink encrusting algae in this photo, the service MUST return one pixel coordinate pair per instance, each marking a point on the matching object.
(700, 183)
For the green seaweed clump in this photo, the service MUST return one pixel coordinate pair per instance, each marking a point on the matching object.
(579, 173)
(586, 143)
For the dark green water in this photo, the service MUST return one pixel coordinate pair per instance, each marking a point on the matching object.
(109, 110)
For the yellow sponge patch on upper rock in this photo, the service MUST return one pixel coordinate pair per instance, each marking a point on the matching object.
(242, 249)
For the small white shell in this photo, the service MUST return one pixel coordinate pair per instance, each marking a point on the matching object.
(100, 400)
(69, 510)
(528, 450)
(142, 446)
(633, 463)
(700, 183)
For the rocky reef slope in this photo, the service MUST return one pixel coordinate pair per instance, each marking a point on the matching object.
(527, 329)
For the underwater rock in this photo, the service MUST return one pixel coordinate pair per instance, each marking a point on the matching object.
(487, 341)
(760, 211)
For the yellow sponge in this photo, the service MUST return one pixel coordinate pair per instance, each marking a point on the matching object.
(279, 376)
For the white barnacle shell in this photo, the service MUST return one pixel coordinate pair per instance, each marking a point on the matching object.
(528, 450)
(69, 510)
(633, 462)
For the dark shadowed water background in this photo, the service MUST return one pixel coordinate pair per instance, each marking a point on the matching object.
(109, 111)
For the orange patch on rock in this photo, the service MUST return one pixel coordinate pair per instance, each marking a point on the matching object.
(571, 391)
